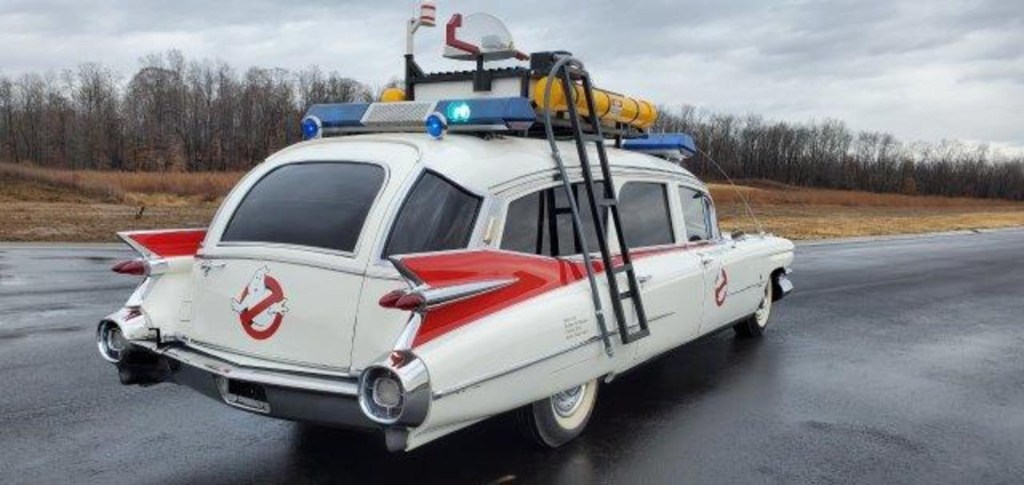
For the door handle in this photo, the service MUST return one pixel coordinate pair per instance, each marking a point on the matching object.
(706, 261)
(206, 266)
(643, 278)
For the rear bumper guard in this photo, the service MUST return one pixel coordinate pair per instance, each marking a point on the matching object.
(783, 286)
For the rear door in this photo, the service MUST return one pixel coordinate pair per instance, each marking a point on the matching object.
(282, 273)
(669, 276)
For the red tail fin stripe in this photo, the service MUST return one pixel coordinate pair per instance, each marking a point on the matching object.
(166, 244)
(534, 275)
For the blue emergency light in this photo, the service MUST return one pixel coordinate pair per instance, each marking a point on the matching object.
(437, 125)
(515, 113)
(675, 144)
(477, 114)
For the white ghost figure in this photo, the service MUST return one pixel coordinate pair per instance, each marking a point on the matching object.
(266, 317)
(255, 292)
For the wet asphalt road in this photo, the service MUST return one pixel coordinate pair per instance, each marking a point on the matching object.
(895, 362)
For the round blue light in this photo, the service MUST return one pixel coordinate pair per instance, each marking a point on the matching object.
(458, 112)
(436, 125)
(310, 128)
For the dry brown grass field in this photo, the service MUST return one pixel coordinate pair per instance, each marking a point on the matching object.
(59, 205)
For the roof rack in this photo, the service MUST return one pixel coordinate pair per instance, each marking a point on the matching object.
(509, 100)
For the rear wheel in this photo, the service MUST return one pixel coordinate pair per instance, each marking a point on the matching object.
(754, 325)
(554, 421)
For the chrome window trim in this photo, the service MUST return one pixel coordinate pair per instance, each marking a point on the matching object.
(280, 259)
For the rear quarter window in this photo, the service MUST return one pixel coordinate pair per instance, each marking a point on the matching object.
(436, 216)
(317, 204)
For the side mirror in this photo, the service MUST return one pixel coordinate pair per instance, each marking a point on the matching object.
(737, 235)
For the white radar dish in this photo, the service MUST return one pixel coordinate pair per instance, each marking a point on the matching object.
(479, 35)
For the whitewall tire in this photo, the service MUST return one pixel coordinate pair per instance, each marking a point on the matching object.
(554, 421)
(754, 325)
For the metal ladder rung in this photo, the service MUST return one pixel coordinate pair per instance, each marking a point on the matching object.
(600, 195)
(634, 336)
(622, 269)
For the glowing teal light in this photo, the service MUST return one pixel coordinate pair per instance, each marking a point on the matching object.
(458, 112)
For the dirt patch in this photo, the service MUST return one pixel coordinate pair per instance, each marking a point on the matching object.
(36, 210)
(91, 222)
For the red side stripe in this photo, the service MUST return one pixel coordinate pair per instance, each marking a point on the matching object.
(534, 276)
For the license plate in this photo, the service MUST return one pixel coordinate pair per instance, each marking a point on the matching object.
(246, 395)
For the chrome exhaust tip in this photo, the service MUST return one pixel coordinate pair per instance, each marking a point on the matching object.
(111, 341)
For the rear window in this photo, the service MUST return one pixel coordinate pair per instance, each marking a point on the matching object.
(320, 205)
(437, 215)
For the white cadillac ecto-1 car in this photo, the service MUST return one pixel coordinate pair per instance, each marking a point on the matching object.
(418, 283)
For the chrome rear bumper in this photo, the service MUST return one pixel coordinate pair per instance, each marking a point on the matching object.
(301, 397)
(783, 286)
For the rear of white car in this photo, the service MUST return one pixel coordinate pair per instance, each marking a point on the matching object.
(293, 303)
(265, 313)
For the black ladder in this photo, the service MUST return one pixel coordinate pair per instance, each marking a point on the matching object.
(569, 71)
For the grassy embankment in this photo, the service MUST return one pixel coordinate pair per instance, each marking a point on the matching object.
(58, 205)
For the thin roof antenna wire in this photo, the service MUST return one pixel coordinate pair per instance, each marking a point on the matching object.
(746, 203)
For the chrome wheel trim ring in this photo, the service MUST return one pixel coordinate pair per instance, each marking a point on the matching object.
(566, 403)
(765, 308)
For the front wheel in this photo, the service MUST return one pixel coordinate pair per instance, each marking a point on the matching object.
(554, 421)
(754, 325)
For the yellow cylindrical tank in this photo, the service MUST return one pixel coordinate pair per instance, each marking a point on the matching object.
(611, 107)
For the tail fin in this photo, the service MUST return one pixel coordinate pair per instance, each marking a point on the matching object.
(164, 243)
(453, 288)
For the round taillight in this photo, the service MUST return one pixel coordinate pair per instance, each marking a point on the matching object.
(387, 392)
(381, 395)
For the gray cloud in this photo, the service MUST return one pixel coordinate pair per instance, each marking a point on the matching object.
(922, 69)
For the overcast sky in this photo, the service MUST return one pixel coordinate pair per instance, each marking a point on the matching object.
(923, 70)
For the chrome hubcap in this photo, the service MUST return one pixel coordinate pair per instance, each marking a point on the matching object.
(567, 402)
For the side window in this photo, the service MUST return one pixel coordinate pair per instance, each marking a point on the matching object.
(437, 215)
(646, 220)
(696, 215)
(541, 223)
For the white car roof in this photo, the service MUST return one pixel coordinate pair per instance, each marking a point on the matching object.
(488, 164)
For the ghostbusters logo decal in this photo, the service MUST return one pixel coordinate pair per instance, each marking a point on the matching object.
(261, 305)
(721, 288)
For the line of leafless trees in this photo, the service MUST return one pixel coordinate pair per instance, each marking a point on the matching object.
(176, 114)
(172, 114)
(828, 154)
